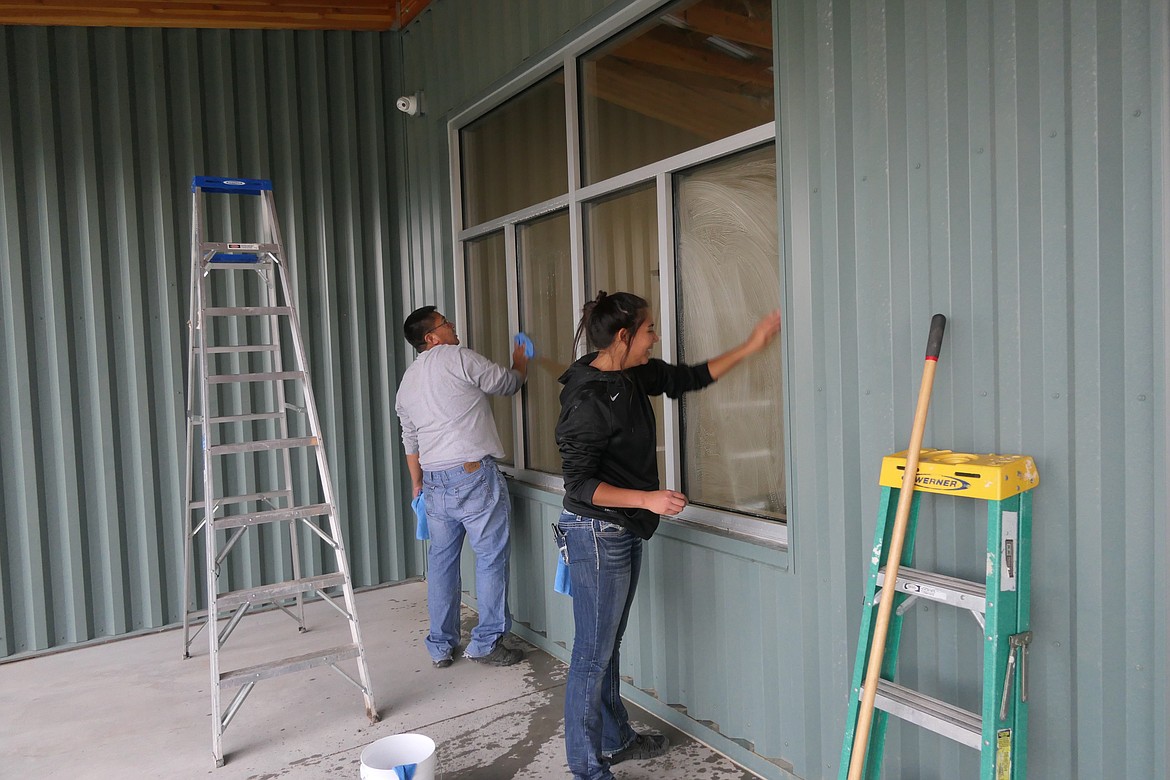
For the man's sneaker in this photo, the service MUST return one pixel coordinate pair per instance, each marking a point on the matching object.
(500, 655)
(643, 747)
(442, 663)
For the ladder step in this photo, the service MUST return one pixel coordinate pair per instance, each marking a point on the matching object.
(239, 418)
(931, 714)
(269, 376)
(243, 499)
(939, 587)
(242, 348)
(271, 516)
(208, 247)
(247, 311)
(286, 665)
(267, 444)
(280, 590)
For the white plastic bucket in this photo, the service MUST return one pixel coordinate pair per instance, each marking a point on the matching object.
(380, 758)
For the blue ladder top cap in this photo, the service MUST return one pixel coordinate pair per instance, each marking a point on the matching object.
(230, 186)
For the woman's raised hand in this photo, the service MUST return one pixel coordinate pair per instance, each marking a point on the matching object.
(764, 331)
(665, 502)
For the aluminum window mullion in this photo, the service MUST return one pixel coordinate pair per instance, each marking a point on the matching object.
(512, 269)
(526, 214)
(668, 324)
(721, 148)
(576, 216)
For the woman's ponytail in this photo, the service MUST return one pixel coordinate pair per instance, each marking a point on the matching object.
(604, 316)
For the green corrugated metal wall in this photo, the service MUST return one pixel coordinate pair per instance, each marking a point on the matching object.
(997, 161)
(1002, 162)
(101, 131)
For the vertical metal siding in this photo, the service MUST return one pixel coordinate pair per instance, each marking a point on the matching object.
(100, 133)
(998, 162)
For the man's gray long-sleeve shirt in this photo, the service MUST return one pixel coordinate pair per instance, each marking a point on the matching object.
(443, 405)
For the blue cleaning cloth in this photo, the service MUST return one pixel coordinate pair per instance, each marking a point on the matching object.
(406, 771)
(529, 347)
(419, 505)
(562, 582)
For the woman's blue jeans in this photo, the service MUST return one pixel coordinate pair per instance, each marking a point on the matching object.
(604, 560)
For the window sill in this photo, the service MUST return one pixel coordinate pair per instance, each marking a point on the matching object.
(744, 528)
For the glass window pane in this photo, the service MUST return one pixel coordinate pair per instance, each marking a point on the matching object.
(514, 156)
(487, 315)
(546, 315)
(621, 254)
(728, 272)
(696, 73)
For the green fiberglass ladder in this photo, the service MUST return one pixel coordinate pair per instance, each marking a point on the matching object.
(240, 439)
(1000, 605)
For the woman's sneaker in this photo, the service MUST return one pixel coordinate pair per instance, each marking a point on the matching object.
(501, 655)
(643, 747)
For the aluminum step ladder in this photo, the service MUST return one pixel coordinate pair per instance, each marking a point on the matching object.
(240, 423)
(1000, 605)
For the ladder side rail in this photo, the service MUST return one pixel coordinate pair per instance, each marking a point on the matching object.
(1001, 622)
(331, 500)
(282, 430)
(288, 280)
(287, 276)
(189, 498)
(1023, 623)
(889, 664)
(865, 630)
(881, 546)
(209, 507)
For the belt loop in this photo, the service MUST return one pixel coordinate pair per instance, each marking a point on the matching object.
(596, 546)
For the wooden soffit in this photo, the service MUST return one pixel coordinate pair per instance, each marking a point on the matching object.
(222, 14)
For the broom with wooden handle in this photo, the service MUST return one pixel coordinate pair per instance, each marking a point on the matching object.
(877, 645)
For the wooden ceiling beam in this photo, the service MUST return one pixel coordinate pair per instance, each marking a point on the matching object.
(633, 88)
(376, 15)
(754, 30)
(706, 61)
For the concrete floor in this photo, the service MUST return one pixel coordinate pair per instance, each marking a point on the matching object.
(135, 708)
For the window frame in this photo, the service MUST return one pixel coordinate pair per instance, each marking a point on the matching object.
(661, 174)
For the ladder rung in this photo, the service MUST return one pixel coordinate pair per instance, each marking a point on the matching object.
(286, 665)
(242, 348)
(267, 444)
(246, 311)
(939, 587)
(271, 516)
(280, 590)
(223, 265)
(243, 499)
(931, 714)
(239, 418)
(269, 376)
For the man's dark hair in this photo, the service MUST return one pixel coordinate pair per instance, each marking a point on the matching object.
(417, 326)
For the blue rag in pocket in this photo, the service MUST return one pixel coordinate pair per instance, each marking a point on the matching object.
(562, 582)
(406, 771)
(419, 505)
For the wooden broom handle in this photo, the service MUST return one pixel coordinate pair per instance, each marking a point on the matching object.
(877, 647)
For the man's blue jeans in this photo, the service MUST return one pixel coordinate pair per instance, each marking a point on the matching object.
(604, 562)
(474, 505)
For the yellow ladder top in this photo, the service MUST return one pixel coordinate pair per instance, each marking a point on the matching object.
(990, 477)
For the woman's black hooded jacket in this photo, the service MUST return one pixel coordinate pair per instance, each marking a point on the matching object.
(607, 433)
